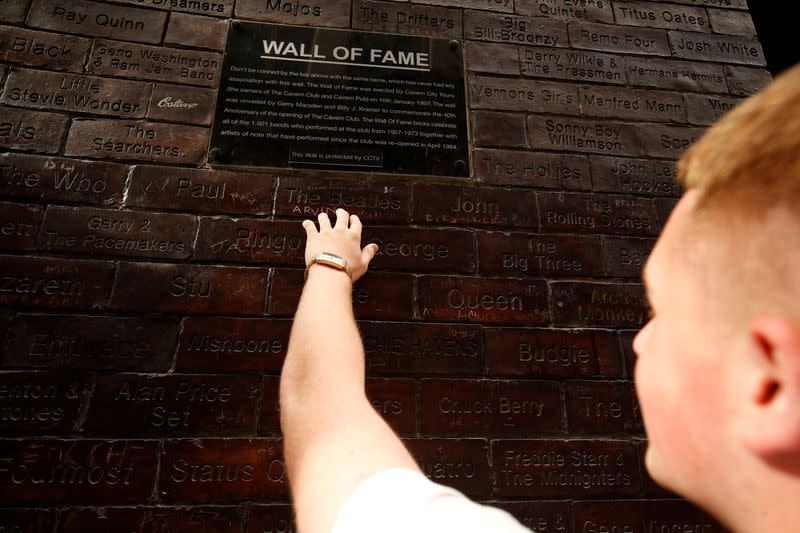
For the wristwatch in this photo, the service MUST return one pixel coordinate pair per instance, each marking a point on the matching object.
(329, 260)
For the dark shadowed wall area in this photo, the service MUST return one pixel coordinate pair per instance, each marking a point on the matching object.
(145, 298)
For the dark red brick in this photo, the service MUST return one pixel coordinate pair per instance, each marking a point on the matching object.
(540, 516)
(76, 471)
(492, 58)
(396, 401)
(196, 31)
(642, 516)
(532, 169)
(35, 177)
(607, 305)
(201, 289)
(565, 9)
(512, 94)
(459, 463)
(427, 349)
(462, 299)
(175, 103)
(490, 128)
(194, 189)
(26, 520)
(565, 468)
(101, 232)
(54, 283)
(232, 344)
(484, 26)
(372, 201)
(217, 8)
(450, 406)
(515, 254)
(587, 213)
(91, 343)
(634, 176)
(422, 249)
(666, 16)
(625, 39)
(330, 13)
(98, 20)
(593, 136)
(277, 518)
(743, 81)
(603, 408)
(226, 470)
(38, 131)
(544, 353)
(41, 403)
(144, 141)
(41, 49)
(251, 240)
(5, 320)
(626, 257)
(628, 354)
(717, 48)
(413, 19)
(209, 404)
(269, 418)
(377, 295)
(152, 520)
(456, 205)
(19, 225)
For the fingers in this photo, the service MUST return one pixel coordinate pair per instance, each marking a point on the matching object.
(368, 253)
(355, 224)
(310, 227)
(342, 218)
(324, 221)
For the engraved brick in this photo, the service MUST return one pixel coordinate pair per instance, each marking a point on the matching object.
(196, 31)
(408, 19)
(458, 406)
(522, 95)
(626, 39)
(217, 8)
(521, 254)
(743, 81)
(634, 176)
(41, 403)
(559, 468)
(26, 520)
(377, 295)
(538, 31)
(637, 516)
(586, 213)
(269, 418)
(91, 342)
(152, 520)
(251, 240)
(277, 518)
(664, 207)
(13, 10)
(511, 301)
(422, 349)
(666, 16)
(38, 131)
(76, 93)
(372, 201)
(54, 283)
(199, 289)
(459, 463)
(583, 135)
(660, 140)
(145, 141)
(612, 102)
(396, 401)
(502, 6)
(117, 233)
(76, 471)
(223, 470)
(545, 353)
(42, 49)
(492, 206)
(540, 516)
(421, 249)
(175, 103)
(5, 320)
(98, 20)
(603, 408)
(498, 129)
(513, 167)
(575, 65)
(626, 257)
(706, 109)
(492, 58)
(726, 4)
(194, 189)
(210, 404)
(19, 225)
(629, 355)
(172, 65)
(328, 13)
(607, 305)
(681, 75)
(599, 11)
(732, 22)
(59, 179)
(232, 344)
(722, 48)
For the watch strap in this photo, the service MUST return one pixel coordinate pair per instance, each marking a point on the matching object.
(329, 260)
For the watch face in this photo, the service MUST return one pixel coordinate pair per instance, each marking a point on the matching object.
(332, 258)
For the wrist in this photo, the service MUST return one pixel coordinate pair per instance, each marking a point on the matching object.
(329, 275)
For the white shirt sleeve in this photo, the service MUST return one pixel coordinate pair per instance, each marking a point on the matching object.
(400, 500)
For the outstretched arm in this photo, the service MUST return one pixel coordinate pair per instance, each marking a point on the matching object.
(333, 438)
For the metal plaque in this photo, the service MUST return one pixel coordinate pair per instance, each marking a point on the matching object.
(301, 97)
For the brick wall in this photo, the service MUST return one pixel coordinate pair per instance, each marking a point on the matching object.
(145, 298)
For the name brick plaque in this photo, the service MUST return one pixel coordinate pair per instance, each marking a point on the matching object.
(341, 100)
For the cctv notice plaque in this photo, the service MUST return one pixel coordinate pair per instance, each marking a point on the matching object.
(302, 97)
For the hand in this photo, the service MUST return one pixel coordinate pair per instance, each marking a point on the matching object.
(343, 239)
